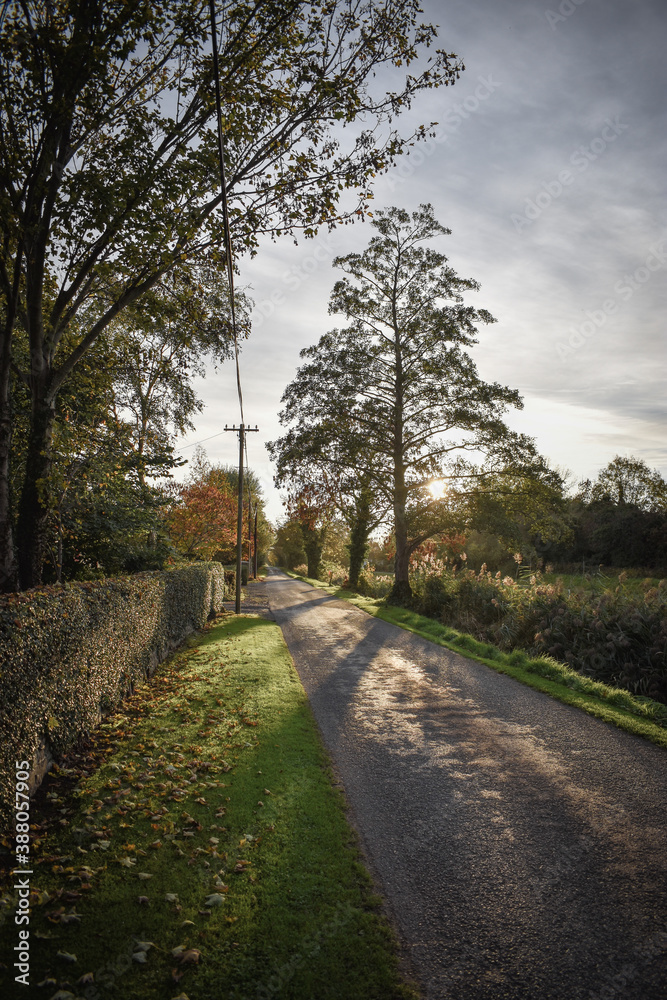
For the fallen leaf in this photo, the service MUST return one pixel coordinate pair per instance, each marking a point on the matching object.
(215, 899)
(144, 876)
(140, 957)
(143, 900)
(89, 977)
(190, 957)
(144, 945)
(171, 897)
(66, 956)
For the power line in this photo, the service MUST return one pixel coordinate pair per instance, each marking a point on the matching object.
(225, 211)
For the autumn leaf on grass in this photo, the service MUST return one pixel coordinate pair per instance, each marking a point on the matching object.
(215, 899)
(127, 862)
(144, 876)
(171, 897)
(66, 956)
(144, 945)
(185, 955)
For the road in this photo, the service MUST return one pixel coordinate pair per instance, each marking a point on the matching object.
(520, 844)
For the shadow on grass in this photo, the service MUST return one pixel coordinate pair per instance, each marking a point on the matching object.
(152, 835)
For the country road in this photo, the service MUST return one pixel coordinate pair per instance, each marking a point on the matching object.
(520, 844)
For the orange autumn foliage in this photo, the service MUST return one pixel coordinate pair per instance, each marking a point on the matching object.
(204, 520)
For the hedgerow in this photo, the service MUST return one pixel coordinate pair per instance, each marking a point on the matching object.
(70, 653)
(614, 636)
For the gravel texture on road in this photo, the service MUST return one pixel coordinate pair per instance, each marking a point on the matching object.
(520, 844)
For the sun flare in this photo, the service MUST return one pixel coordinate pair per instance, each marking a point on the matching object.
(437, 488)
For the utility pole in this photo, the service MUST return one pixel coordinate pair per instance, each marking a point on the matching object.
(249, 532)
(255, 546)
(242, 430)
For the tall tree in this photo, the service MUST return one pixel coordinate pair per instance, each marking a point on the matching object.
(627, 481)
(336, 457)
(203, 518)
(398, 377)
(109, 174)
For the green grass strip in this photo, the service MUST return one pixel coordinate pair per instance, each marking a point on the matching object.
(633, 713)
(206, 854)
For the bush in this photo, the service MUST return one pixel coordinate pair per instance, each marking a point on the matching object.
(616, 636)
(69, 652)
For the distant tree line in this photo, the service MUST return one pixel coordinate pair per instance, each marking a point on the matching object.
(619, 519)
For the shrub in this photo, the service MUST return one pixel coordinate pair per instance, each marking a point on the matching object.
(373, 584)
(617, 636)
(69, 652)
(333, 573)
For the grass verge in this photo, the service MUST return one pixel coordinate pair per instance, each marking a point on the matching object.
(199, 849)
(633, 713)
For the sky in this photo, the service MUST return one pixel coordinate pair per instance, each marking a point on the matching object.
(549, 167)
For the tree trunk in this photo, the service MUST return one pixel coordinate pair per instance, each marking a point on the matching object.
(313, 543)
(34, 505)
(401, 592)
(358, 545)
(8, 565)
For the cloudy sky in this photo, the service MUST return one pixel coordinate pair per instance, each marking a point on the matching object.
(549, 167)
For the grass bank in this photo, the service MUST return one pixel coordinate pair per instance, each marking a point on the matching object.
(635, 714)
(197, 847)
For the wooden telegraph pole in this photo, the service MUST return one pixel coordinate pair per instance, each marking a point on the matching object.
(241, 430)
(255, 547)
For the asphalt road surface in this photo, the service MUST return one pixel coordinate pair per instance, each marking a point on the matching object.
(520, 844)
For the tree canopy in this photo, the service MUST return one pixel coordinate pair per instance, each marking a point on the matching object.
(109, 174)
(394, 400)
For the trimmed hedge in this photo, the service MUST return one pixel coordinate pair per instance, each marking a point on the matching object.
(69, 653)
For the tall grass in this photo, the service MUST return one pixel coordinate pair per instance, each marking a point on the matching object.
(615, 634)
